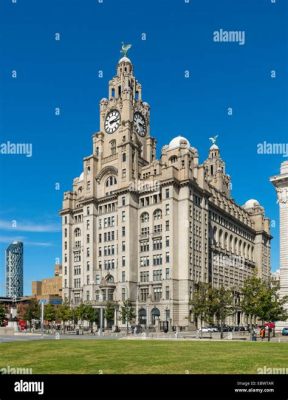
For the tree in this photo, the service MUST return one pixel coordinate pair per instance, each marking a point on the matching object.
(30, 311)
(109, 312)
(64, 313)
(271, 307)
(221, 305)
(2, 314)
(261, 300)
(249, 302)
(49, 312)
(86, 312)
(127, 312)
(199, 302)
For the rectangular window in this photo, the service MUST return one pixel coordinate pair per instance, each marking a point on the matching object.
(167, 226)
(157, 292)
(123, 294)
(157, 259)
(123, 246)
(157, 275)
(88, 238)
(123, 216)
(123, 231)
(97, 279)
(167, 193)
(167, 294)
(144, 294)
(144, 276)
(167, 209)
(167, 273)
(167, 241)
(123, 261)
(88, 266)
(123, 276)
(144, 261)
(123, 201)
(88, 279)
(167, 257)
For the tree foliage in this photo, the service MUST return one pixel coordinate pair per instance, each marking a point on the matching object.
(2, 314)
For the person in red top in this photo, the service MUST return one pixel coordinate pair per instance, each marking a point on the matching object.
(262, 333)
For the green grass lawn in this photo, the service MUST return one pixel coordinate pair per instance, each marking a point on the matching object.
(143, 357)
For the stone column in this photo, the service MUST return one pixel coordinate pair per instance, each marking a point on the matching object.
(280, 182)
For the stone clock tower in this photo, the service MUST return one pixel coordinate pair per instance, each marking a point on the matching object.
(125, 124)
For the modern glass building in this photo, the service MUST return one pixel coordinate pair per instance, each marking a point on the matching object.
(14, 270)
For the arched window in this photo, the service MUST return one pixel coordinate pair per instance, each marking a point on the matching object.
(157, 214)
(226, 241)
(109, 279)
(221, 238)
(236, 246)
(111, 181)
(113, 146)
(173, 159)
(155, 313)
(142, 316)
(215, 236)
(144, 217)
(77, 232)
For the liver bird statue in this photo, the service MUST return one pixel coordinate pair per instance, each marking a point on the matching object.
(125, 48)
(213, 139)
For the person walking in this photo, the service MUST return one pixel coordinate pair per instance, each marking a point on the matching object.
(262, 333)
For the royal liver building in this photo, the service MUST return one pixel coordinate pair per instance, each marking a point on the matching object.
(147, 229)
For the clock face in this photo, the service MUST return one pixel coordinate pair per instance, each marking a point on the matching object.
(139, 124)
(112, 121)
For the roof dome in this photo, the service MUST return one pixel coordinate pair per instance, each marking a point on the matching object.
(214, 147)
(178, 141)
(125, 59)
(251, 203)
(81, 177)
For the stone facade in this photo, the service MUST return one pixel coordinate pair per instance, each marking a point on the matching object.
(49, 289)
(150, 229)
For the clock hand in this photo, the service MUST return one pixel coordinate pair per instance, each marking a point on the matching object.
(114, 120)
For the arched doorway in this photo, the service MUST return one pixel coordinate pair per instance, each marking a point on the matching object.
(154, 313)
(142, 316)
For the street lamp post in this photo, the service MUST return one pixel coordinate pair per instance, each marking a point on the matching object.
(101, 314)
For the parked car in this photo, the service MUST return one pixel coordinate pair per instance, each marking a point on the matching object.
(285, 331)
(206, 329)
(213, 328)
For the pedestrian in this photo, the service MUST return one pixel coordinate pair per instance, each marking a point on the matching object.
(262, 333)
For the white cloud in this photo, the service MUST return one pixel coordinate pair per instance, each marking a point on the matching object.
(24, 226)
(10, 239)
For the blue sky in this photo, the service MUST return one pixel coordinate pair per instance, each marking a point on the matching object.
(64, 74)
